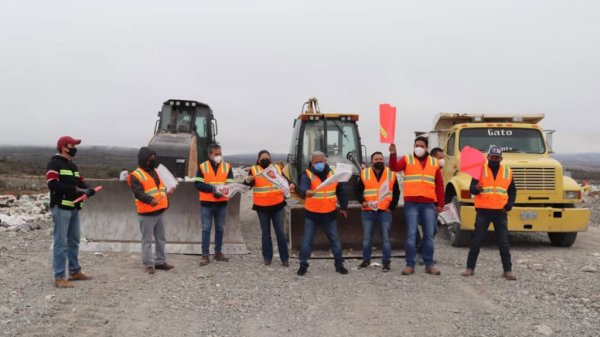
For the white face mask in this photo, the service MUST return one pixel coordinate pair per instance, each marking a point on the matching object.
(217, 159)
(419, 152)
(442, 162)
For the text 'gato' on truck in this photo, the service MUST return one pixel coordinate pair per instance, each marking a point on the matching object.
(546, 199)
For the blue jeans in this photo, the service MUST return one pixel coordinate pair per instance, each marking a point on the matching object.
(369, 221)
(207, 213)
(265, 219)
(413, 212)
(330, 228)
(66, 241)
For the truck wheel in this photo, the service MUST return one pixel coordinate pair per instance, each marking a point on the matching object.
(562, 239)
(458, 237)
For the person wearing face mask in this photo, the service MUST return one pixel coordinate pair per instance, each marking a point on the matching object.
(150, 201)
(269, 203)
(66, 184)
(320, 209)
(213, 204)
(438, 154)
(423, 197)
(495, 196)
(367, 190)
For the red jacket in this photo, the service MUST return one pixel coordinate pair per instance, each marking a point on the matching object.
(398, 165)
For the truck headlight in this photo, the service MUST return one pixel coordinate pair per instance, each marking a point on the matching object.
(573, 195)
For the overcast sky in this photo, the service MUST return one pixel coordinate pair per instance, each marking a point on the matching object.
(100, 70)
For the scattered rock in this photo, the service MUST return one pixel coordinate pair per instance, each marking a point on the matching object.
(589, 269)
(543, 330)
(537, 266)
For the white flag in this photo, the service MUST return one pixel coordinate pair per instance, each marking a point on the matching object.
(229, 190)
(272, 175)
(167, 177)
(343, 172)
(449, 214)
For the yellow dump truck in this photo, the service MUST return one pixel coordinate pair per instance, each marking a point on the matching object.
(547, 200)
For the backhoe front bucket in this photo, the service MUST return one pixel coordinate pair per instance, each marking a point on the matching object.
(349, 230)
(109, 221)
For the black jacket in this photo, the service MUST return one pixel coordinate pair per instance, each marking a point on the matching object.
(512, 190)
(63, 180)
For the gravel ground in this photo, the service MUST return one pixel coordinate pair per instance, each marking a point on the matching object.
(557, 293)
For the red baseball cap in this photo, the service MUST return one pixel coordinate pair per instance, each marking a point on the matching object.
(66, 140)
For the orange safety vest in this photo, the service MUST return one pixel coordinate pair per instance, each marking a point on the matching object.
(371, 192)
(495, 191)
(324, 200)
(419, 181)
(149, 185)
(213, 178)
(265, 192)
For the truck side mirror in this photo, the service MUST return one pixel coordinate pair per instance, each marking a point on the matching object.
(549, 134)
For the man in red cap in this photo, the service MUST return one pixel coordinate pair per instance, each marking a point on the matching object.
(66, 185)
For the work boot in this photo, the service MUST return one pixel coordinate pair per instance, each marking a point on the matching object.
(62, 283)
(341, 270)
(302, 271)
(509, 276)
(364, 264)
(408, 270)
(221, 258)
(468, 272)
(150, 270)
(285, 263)
(433, 270)
(204, 261)
(386, 266)
(164, 266)
(79, 276)
(267, 262)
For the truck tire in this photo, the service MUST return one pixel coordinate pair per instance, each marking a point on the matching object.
(458, 237)
(562, 239)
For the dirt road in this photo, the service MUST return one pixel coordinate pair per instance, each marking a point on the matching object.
(553, 295)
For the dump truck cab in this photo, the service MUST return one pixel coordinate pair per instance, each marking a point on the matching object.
(182, 133)
(546, 199)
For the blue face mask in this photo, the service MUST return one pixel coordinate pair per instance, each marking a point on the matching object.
(319, 167)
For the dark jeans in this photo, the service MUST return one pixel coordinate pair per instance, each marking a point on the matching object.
(371, 219)
(207, 214)
(482, 223)
(415, 212)
(330, 229)
(265, 218)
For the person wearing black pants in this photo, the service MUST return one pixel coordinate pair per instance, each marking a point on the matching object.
(495, 194)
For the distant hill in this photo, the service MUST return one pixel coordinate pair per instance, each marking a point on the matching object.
(107, 161)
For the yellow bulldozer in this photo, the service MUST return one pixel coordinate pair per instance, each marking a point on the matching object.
(336, 135)
(182, 133)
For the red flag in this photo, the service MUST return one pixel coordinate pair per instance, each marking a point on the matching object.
(471, 162)
(387, 123)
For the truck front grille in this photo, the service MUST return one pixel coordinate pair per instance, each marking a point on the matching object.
(534, 178)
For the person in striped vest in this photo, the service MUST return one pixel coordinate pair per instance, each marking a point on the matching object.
(423, 198)
(320, 209)
(66, 184)
(495, 196)
(213, 204)
(151, 202)
(269, 203)
(377, 209)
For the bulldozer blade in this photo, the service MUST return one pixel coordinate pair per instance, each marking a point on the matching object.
(109, 221)
(349, 230)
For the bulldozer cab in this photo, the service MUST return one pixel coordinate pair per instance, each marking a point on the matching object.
(336, 135)
(182, 134)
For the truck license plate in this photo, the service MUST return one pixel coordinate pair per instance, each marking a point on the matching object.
(528, 215)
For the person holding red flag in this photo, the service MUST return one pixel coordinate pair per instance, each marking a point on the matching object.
(423, 198)
(495, 194)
